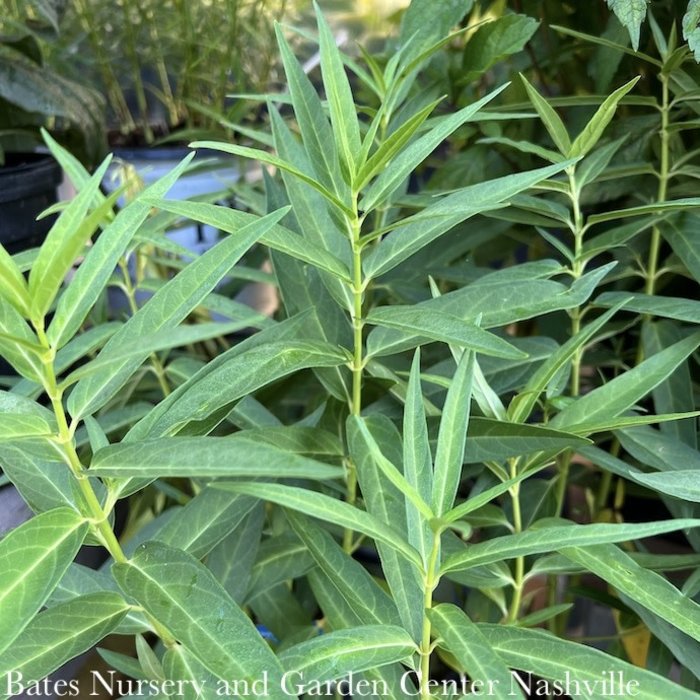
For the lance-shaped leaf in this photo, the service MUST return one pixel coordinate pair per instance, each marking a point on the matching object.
(234, 375)
(59, 634)
(166, 309)
(214, 457)
(622, 392)
(13, 286)
(325, 508)
(352, 587)
(341, 105)
(551, 120)
(419, 230)
(592, 132)
(449, 454)
(648, 588)
(101, 259)
(682, 484)
(183, 595)
(542, 654)
(17, 426)
(552, 538)
(333, 656)
(33, 557)
(278, 237)
(407, 161)
(315, 130)
(417, 459)
(522, 404)
(18, 343)
(445, 328)
(62, 245)
(463, 639)
(497, 440)
(180, 665)
(388, 497)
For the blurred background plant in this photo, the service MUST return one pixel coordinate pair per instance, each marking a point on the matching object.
(165, 65)
(33, 92)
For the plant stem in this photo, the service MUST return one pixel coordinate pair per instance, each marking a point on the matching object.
(92, 510)
(653, 264)
(577, 269)
(430, 582)
(358, 360)
(519, 576)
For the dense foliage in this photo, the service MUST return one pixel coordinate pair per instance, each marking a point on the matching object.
(471, 421)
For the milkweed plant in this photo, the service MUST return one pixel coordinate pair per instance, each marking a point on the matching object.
(413, 477)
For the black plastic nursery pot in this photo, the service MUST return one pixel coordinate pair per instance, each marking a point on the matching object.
(28, 183)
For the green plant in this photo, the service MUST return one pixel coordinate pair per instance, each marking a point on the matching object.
(389, 461)
(167, 66)
(32, 96)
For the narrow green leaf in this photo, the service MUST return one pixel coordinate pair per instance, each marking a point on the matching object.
(180, 665)
(313, 124)
(13, 286)
(222, 457)
(445, 328)
(204, 522)
(393, 145)
(522, 404)
(280, 559)
(683, 484)
(685, 241)
(384, 499)
(325, 508)
(482, 499)
(551, 538)
(163, 340)
(592, 132)
(493, 42)
(269, 159)
(333, 656)
(419, 230)
(646, 587)
(94, 272)
(183, 595)
(678, 308)
(402, 166)
(166, 309)
(17, 426)
(341, 104)
(62, 245)
(417, 459)
(463, 639)
(357, 429)
(231, 376)
(449, 454)
(543, 655)
(551, 120)
(350, 585)
(33, 557)
(18, 343)
(58, 635)
(278, 237)
(621, 393)
(655, 208)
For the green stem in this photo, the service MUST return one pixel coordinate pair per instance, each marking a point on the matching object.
(431, 580)
(355, 226)
(577, 270)
(91, 507)
(653, 264)
(519, 574)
